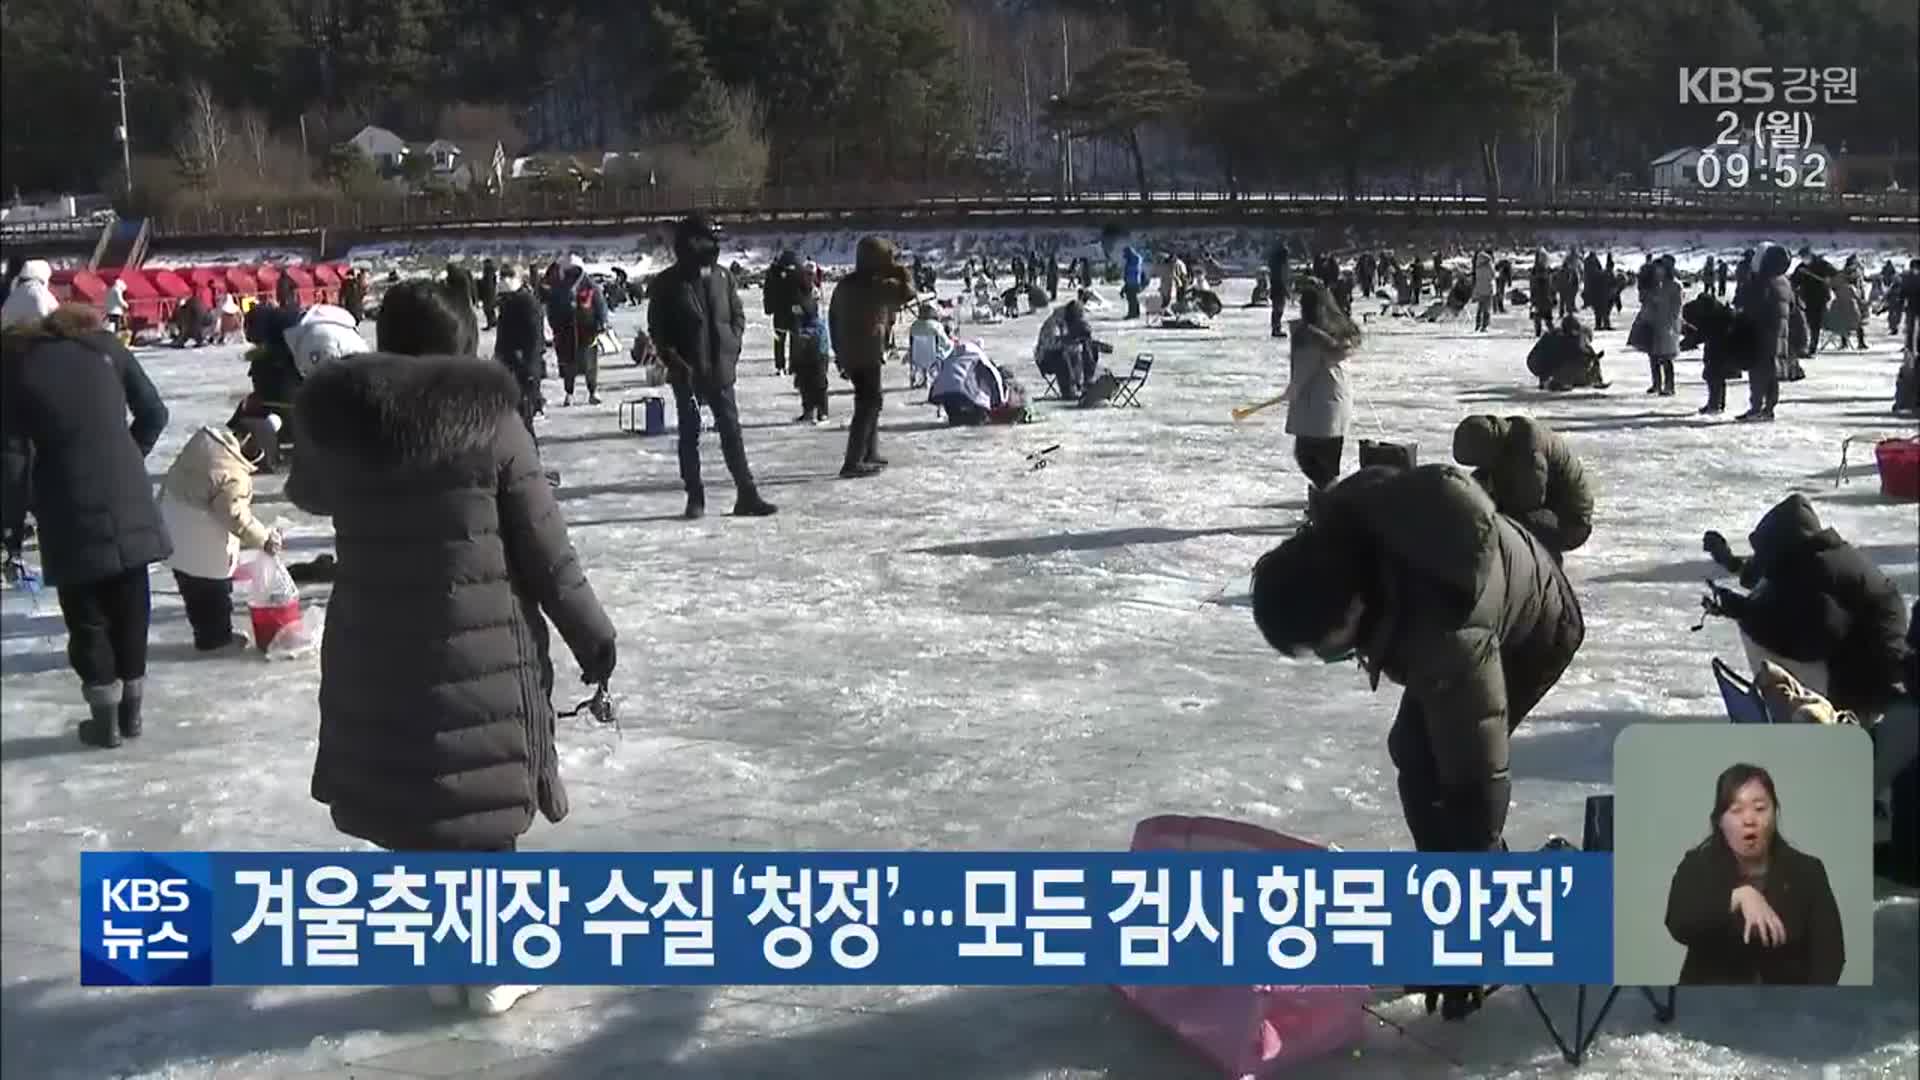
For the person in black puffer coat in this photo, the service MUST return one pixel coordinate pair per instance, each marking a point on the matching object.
(1540, 293)
(519, 344)
(487, 291)
(1709, 325)
(1416, 573)
(1765, 305)
(1817, 599)
(1811, 282)
(436, 718)
(1532, 475)
(778, 298)
(68, 387)
(1279, 274)
(696, 322)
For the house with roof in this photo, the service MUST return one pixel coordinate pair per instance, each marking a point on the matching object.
(386, 150)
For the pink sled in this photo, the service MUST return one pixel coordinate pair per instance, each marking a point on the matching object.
(1248, 1032)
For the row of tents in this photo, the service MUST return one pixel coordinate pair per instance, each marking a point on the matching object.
(153, 295)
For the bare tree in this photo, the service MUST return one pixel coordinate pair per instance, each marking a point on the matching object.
(202, 144)
(255, 137)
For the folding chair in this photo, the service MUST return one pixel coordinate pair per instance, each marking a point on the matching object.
(1597, 835)
(1130, 387)
(1047, 377)
(1742, 698)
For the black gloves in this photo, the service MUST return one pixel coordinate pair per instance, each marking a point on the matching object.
(597, 667)
(1716, 546)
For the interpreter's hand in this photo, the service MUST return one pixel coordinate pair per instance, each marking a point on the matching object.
(275, 543)
(1762, 922)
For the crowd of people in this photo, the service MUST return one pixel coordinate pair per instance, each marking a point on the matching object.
(452, 556)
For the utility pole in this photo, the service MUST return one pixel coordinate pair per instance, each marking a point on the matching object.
(120, 133)
(1066, 76)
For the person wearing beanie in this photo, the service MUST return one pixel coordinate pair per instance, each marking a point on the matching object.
(1532, 475)
(1418, 575)
(31, 297)
(67, 387)
(696, 321)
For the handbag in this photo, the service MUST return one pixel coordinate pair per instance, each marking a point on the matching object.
(608, 344)
(1391, 455)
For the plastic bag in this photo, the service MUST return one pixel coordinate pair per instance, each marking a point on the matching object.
(273, 605)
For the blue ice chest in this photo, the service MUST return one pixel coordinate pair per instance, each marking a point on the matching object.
(644, 415)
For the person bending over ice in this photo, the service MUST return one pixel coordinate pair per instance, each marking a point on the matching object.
(1416, 573)
(1818, 607)
(206, 503)
(1532, 475)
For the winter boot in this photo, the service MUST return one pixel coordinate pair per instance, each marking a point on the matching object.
(1653, 366)
(129, 711)
(696, 506)
(750, 504)
(102, 727)
(858, 471)
(805, 417)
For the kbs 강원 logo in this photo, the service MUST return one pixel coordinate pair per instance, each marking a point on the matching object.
(145, 919)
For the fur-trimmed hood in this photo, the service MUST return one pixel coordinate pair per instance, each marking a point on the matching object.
(72, 322)
(385, 409)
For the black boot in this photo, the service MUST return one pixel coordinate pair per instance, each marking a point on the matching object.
(129, 713)
(856, 470)
(750, 504)
(696, 506)
(101, 728)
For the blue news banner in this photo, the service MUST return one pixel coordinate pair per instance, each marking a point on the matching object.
(877, 918)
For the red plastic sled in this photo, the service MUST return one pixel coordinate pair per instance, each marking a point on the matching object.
(1246, 1031)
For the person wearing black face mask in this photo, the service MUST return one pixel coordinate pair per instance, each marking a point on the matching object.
(696, 321)
(1415, 572)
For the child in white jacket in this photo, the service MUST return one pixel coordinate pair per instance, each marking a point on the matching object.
(206, 502)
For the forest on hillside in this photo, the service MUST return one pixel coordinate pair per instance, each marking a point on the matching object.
(250, 98)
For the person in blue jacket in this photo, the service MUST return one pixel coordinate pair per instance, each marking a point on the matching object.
(1133, 278)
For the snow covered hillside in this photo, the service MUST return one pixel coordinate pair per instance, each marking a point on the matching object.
(965, 652)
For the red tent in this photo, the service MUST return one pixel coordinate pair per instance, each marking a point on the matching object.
(309, 289)
(212, 277)
(241, 282)
(80, 286)
(268, 278)
(327, 283)
(173, 290)
(145, 306)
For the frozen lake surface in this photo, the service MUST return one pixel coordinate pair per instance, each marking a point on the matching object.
(962, 653)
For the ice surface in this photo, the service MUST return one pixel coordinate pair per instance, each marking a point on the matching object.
(645, 252)
(963, 653)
